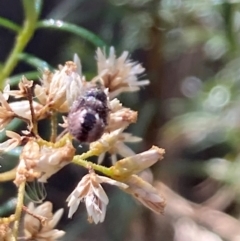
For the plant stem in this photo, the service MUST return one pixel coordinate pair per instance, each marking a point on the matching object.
(87, 164)
(87, 154)
(22, 40)
(21, 191)
(4, 22)
(54, 124)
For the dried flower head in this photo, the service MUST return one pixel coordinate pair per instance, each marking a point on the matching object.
(90, 191)
(77, 83)
(58, 90)
(42, 161)
(24, 86)
(20, 109)
(34, 229)
(119, 74)
(120, 117)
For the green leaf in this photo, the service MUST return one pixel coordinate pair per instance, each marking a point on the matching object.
(32, 75)
(72, 28)
(9, 25)
(34, 61)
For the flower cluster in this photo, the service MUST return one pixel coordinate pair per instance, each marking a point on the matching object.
(40, 221)
(92, 115)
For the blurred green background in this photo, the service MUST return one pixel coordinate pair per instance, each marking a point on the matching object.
(191, 52)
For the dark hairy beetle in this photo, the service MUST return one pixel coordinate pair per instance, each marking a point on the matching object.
(88, 115)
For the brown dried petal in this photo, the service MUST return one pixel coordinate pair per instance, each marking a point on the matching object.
(24, 87)
(40, 93)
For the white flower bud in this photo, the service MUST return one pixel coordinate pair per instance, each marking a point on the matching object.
(137, 163)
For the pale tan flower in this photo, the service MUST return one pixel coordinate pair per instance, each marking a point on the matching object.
(125, 169)
(119, 74)
(6, 233)
(137, 163)
(60, 89)
(90, 191)
(77, 84)
(35, 230)
(77, 61)
(42, 162)
(106, 142)
(22, 109)
(146, 175)
(119, 147)
(14, 141)
(114, 143)
(6, 112)
(120, 117)
(24, 88)
(145, 193)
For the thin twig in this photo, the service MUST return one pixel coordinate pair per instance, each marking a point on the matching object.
(87, 164)
(21, 191)
(34, 121)
(41, 219)
(53, 127)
